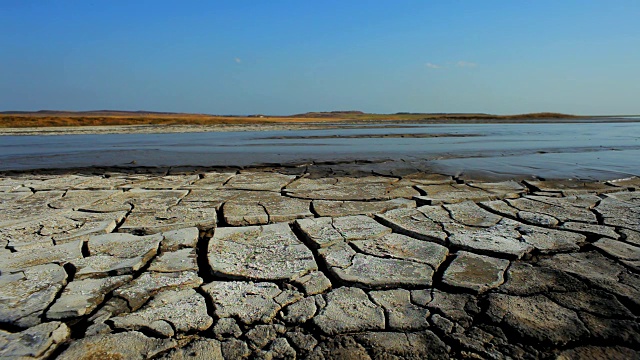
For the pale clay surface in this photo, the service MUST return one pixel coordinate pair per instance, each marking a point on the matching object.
(285, 264)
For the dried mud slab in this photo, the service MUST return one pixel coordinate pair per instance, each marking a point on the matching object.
(359, 251)
(269, 252)
(347, 208)
(350, 189)
(323, 261)
(477, 273)
(37, 342)
(26, 294)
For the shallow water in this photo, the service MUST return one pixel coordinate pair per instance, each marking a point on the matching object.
(568, 150)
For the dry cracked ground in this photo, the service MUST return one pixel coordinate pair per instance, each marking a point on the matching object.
(267, 265)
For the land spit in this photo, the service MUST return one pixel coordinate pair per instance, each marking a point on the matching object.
(282, 263)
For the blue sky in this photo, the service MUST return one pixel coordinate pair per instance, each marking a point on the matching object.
(285, 57)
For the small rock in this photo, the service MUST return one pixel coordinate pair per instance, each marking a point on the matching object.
(321, 303)
(97, 329)
(112, 307)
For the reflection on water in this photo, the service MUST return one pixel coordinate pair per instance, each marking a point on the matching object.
(585, 150)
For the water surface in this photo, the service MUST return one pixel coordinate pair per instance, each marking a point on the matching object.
(567, 150)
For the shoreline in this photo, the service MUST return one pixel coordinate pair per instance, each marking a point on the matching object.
(321, 169)
(282, 126)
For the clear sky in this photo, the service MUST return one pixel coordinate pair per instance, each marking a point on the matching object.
(285, 57)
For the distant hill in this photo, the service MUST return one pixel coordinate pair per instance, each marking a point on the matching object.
(49, 118)
(314, 114)
(328, 114)
(88, 112)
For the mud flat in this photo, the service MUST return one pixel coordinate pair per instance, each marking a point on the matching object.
(155, 129)
(284, 263)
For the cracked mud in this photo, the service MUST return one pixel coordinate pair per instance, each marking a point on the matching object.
(283, 264)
